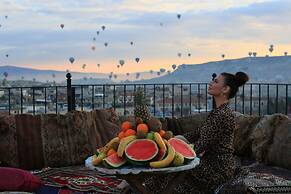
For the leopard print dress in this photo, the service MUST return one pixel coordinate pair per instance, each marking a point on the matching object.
(215, 137)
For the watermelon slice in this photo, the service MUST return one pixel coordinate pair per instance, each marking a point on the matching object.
(183, 148)
(141, 151)
(113, 161)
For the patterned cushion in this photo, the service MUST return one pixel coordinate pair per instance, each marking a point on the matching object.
(13, 179)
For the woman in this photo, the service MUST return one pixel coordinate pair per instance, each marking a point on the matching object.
(213, 142)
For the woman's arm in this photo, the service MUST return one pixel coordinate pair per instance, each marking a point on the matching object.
(209, 133)
(192, 136)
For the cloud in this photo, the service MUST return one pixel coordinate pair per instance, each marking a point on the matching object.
(32, 33)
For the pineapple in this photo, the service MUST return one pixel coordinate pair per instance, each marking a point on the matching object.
(140, 109)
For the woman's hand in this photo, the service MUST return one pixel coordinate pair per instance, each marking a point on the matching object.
(201, 154)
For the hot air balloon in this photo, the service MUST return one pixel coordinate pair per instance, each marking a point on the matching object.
(158, 73)
(223, 55)
(67, 71)
(94, 39)
(105, 44)
(103, 27)
(5, 74)
(127, 74)
(115, 76)
(285, 53)
(93, 48)
(62, 26)
(98, 65)
(169, 72)
(179, 54)
(6, 17)
(178, 16)
(71, 59)
(110, 76)
(162, 70)
(137, 59)
(250, 54)
(118, 66)
(174, 66)
(254, 54)
(7, 55)
(84, 66)
(121, 62)
(271, 49)
(151, 71)
(131, 43)
(189, 54)
(97, 32)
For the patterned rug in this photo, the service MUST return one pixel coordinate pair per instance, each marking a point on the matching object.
(79, 179)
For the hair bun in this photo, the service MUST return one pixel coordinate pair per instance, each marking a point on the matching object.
(241, 78)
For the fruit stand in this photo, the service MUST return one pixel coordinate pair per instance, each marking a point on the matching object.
(135, 175)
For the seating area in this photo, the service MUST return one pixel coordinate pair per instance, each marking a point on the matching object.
(54, 147)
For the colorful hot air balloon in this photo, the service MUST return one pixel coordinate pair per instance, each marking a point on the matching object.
(131, 43)
(127, 74)
(93, 48)
(189, 54)
(6, 17)
(62, 26)
(174, 66)
(158, 73)
(137, 59)
(178, 16)
(169, 72)
(84, 66)
(103, 27)
(7, 55)
(179, 54)
(105, 44)
(223, 55)
(94, 39)
(162, 70)
(151, 71)
(71, 59)
(5, 74)
(98, 65)
(118, 66)
(97, 32)
(121, 62)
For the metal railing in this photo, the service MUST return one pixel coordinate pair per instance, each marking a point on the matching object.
(163, 100)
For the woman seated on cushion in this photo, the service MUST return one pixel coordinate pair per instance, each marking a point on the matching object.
(213, 142)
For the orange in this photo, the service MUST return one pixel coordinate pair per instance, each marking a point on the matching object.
(121, 135)
(162, 132)
(129, 132)
(126, 125)
(110, 152)
(142, 127)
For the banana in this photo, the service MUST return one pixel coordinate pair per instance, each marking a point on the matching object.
(123, 143)
(167, 160)
(108, 146)
(160, 141)
(97, 159)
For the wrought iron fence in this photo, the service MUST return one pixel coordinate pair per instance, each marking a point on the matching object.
(163, 100)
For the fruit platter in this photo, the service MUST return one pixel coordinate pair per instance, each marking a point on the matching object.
(143, 146)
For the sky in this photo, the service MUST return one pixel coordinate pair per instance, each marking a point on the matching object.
(31, 34)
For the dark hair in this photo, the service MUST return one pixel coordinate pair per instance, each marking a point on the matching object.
(234, 81)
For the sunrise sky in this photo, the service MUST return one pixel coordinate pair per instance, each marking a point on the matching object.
(31, 34)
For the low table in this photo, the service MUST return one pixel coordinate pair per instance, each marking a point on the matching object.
(135, 175)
